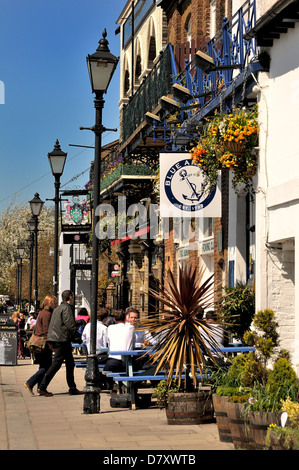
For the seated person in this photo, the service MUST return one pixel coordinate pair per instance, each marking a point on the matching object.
(142, 337)
(120, 337)
(101, 341)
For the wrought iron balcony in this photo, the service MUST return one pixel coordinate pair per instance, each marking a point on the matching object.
(154, 86)
(125, 171)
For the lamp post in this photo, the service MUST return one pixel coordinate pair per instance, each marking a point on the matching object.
(57, 160)
(21, 251)
(36, 205)
(30, 244)
(101, 66)
(19, 261)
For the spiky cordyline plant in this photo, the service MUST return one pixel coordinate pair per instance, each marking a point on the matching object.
(184, 338)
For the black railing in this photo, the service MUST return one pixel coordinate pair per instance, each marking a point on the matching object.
(146, 99)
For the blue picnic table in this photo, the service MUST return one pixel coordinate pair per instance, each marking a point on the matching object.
(130, 378)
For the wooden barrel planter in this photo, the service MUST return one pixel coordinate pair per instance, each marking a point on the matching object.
(239, 427)
(279, 442)
(259, 422)
(220, 411)
(190, 408)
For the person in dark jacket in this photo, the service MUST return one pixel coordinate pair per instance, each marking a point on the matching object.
(62, 328)
(41, 329)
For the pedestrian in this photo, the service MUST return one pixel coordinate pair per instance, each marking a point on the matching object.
(44, 359)
(62, 328)
(31, 321)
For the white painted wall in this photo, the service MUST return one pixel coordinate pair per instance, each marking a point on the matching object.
(277, 202)
(83, 288)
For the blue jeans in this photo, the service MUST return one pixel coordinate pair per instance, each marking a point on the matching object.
(45, 361)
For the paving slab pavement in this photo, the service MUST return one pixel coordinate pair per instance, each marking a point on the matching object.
(58, 423)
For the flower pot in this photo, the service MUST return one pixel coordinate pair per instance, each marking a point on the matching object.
(239, 427)
(259, 422)
(281, 442)
(220, 410)
(236, 148)
(190, 408)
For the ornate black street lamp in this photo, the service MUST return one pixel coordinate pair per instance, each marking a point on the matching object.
(36, 205)
(101, 66)
(21, 251)
(30, 244)
(57, 160)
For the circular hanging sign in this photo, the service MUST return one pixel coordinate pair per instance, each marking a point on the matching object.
(183, 187)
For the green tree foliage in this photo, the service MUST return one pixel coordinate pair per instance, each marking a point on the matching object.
(237, 309)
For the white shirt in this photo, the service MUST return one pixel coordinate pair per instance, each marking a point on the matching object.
(120, 338)
(101, 336)
(141, 336)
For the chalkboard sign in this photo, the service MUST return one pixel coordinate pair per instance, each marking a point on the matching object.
(8, 345)
(4, 317)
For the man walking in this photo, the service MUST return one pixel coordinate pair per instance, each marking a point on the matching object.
(62, 328)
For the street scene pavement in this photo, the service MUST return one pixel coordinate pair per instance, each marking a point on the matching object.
(36, 422)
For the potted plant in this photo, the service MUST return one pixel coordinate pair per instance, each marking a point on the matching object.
(227, 389)
(184, 341)
(265, 405)
(231, 395)
(285, 436)
(228, 142)
(246, 372)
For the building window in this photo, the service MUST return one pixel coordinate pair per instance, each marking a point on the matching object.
(208, 227)
(126, 83)
(213, 9)
(188, 28)
(152, 52)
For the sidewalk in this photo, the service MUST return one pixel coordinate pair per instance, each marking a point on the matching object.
(57, 423)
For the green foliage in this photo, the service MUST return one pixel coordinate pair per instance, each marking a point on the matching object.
(282, 381)
(229, 382)
(162, 391)
(253, 371)
(286, 438)
(265, 336)
(237, 309)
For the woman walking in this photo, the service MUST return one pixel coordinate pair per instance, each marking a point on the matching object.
(44, 359)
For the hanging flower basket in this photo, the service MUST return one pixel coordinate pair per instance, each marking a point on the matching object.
(228, 142)
(236, 148)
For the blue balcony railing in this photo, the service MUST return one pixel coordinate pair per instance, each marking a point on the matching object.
(231, 53)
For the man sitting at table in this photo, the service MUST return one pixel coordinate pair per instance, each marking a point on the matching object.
(120, 337)
(142, 337)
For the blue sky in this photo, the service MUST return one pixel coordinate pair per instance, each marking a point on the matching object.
(43, 49)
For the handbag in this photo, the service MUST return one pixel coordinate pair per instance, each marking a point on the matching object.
(37, 344)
